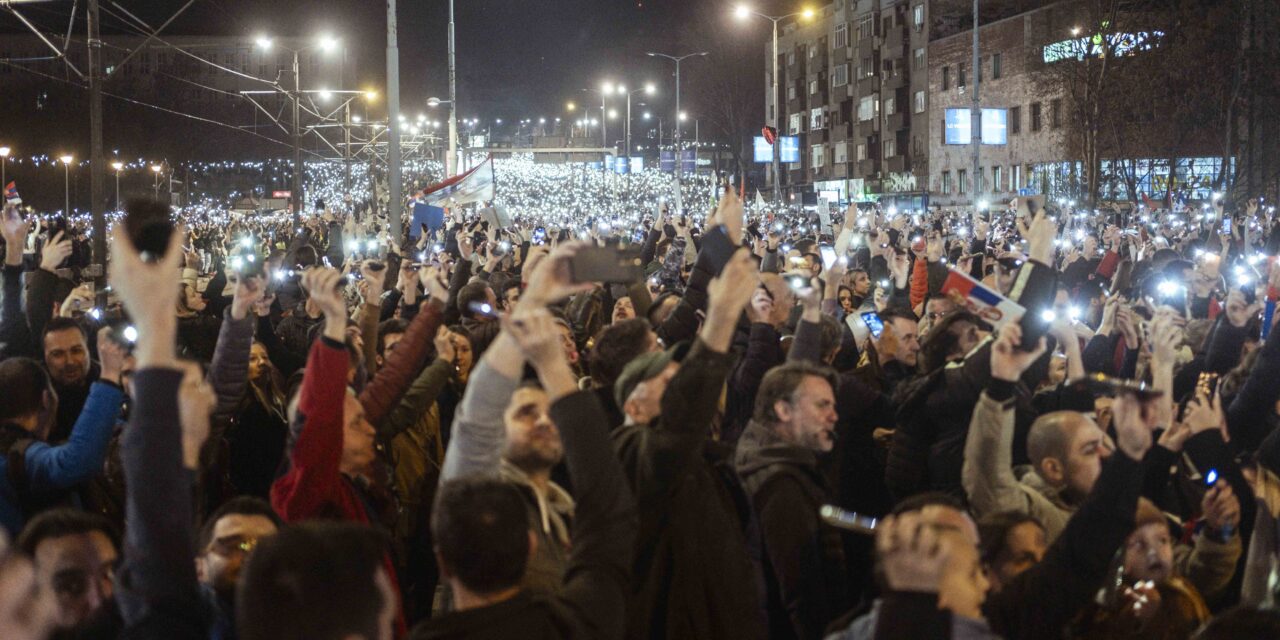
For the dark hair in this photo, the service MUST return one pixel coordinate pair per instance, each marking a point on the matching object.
(781, 382)
(993, 532)
(306, 256)
(312, 581)
(481, 529)
(239, 505)
(64, 521)
(24, 382)
(62, 324)
(615, 346)
(898, 313)
(941, 341)
(388, 327)
(831, 332)
(472, 292)
(927, 499)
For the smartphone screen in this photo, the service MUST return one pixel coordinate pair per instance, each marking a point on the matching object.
(874, 324)
(1226, 226)
(828, 256)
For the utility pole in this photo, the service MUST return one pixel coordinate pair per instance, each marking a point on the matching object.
(676, 139)
(297, 145)
(395, 208)
(96, 161)
(451, 165)
(346, 153)
(975, 115)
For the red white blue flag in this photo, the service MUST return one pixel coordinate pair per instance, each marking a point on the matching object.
(982, 300)
(476, 185)
(11, 193)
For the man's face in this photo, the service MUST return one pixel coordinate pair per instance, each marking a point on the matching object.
(566, 342)
(389, 342)
(809, 418)
(510, 297)
(1024, 547)
(77, 570)
(644, 404)
(234, 537)
(1088, 448)
(623, 309)
(355, 337)
(861, 283)
(66, 355)
(533, 441)
(357, 437)
(1148, 553)
(937, 309)
(905, 331)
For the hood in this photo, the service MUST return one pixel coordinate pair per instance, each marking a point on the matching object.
(759, 448)
(1027, 475)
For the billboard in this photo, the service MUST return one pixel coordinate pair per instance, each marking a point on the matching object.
(995, 126)
(789, 151)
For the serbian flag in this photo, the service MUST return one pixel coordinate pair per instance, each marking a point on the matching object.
(987, 303)
(11, 194)
(476, 185)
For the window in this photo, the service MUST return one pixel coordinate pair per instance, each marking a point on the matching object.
(797, 123)
(1015, 120)
(862, 152)
(841, 153)
(816, 155)
(866, 108)
(841, 39)
(961, 176)
(888, 24)
(1055, 113)
(813, 86)
(959, 76)
(791, 58)
(981, 180)
(890, 106)
(995, 179)
(816, 119)
(946, 78)
(995, 66)
(919, 100)
(1035, 116)
(917, 17)
(1017, 177)
(840, 77)
(919, 65)
(866, 27)
(813, 52)
(890, 147)
(946, 182)
(791, 92)
(868, 68)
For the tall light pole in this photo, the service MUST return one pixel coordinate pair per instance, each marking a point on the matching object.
(117, 165)
(325, 43)
(155, 185)
(395, 207)
(4, 158)
(744, 11)
(648, 91)
(679, 154)
(66, 183)
(452, 157)
(605, 90)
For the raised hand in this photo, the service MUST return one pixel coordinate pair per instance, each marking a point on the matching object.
(1239, 311)
(1134, 424)
(150, 293)
(111, 356)
(375, 277)
(249, 291)
(1221, 508)
(1008, 362)
(730, 214)
(1204, 414)
(550, 281)
(14, 229)
(444, 345)
(433, 280)
(534, 332)
(55, 252)
(1040, 238)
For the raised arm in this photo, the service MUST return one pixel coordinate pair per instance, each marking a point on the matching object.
(229, 369)
(382, 393)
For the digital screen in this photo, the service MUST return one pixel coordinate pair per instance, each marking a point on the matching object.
(788, 152)
(995, 126)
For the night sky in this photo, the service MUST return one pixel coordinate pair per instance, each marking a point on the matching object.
(516, 58)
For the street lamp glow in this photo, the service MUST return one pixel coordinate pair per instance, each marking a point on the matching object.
(355, 119)
(570, 106)
(743, 11)
(806, 14)
(155, 168)
(647, 115)
(433, 102)
(499, 120)
(328, 43)
(649, 89)
(606, 88)
(325, 94)
(542, 120)
(683, 116)
(613, 113)
(263, 43)
(117, 165)
(1075, 31)
(371, 95)
(4, 152)
(421, 117)
(622, 89)
(66, 159)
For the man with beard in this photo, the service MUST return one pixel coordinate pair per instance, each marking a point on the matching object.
(226, 541)
(66, 356)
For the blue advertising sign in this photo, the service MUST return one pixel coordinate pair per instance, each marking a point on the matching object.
(688, 160)
(790, 149)
(620, 165)
(667, 161)
(763, 150)
(637, 164)
(995, 126)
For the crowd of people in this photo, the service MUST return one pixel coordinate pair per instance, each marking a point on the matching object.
(639, 422)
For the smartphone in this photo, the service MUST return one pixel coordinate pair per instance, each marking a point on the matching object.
(797, 283)
(1105, 385)
(1210, 478)
(483, 309)
(539, 236)
(607, 265)
(1226, 226)
(1207, 385)
(149, 225)
(874, 323)
(1173, 294)
(848, 520)
(1029, 205)
(828, 254)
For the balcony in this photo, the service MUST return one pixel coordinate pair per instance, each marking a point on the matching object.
(896, 39)
(867, 167)
(868, 84)
(896, 121)
(867, 129)
(895, 164)
(894, 81)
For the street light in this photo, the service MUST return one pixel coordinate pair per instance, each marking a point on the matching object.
(743, 12)
(4, 157)
(325, 43)
(677, 60)
(118, 166)
(648, 90)
(66, 183)
(156, 169)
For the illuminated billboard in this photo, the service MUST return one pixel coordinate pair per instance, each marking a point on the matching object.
(995, 126)
(788, 152)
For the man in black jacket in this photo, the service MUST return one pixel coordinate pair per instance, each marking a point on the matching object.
(693, 575)
(481, 526)
(777, 459)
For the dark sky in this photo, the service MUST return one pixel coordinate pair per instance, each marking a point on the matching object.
(516, 58)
